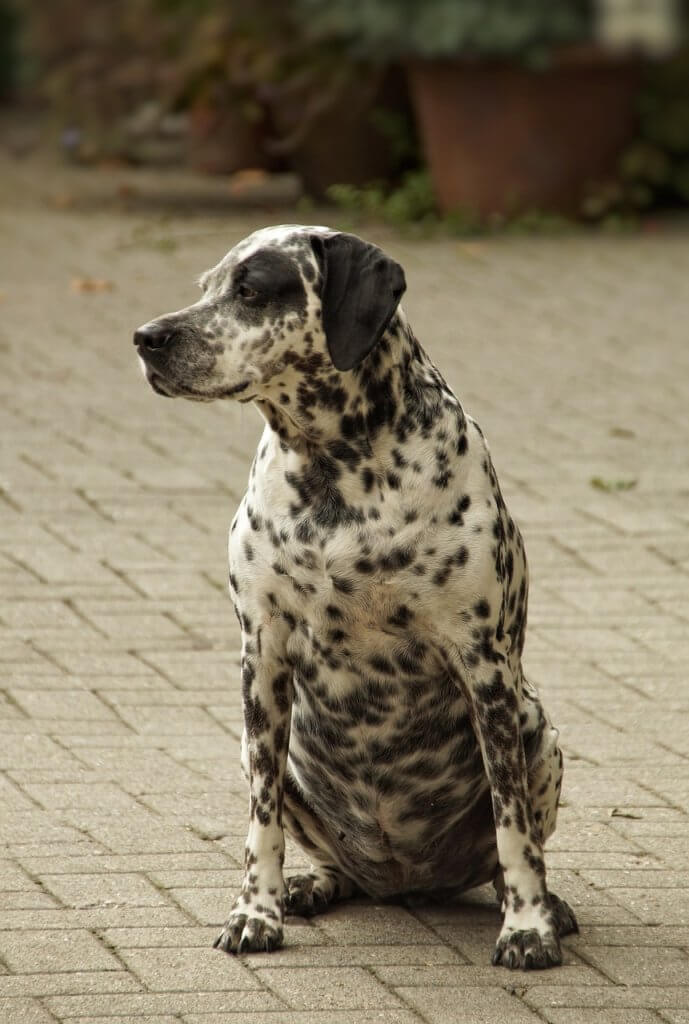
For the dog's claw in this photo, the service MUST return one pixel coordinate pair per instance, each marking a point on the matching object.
(528, 950)
(243, 934)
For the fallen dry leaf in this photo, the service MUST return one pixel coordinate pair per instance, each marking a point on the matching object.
(126, 191)
(63, 200)
(243, 181)
(91, 284)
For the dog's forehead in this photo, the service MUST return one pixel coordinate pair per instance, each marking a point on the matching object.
(286, 237)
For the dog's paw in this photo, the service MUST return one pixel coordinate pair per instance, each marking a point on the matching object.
(563, 916)
(250, 931)
(305, 896)
(527, 950)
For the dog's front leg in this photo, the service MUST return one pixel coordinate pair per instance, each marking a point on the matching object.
(529, 936)
(255, 921)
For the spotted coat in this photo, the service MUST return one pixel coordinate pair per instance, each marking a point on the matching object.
(381, 587)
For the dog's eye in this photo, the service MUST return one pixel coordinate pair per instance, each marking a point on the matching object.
(246, 292)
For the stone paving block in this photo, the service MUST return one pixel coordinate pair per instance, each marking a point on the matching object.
(31, 615)
(69, 983)
(205, 668)
(190, 969)
(28, 749)
(603, 789)
(609, 997)
(133, 1006)
(573, 972)
(656, 906)
(305, 948)
(33, 951)
(22, 827)
(13, 878)
(370, 923)
(170, 697)
(467, 1005)
(607, 1016)
(221, 879)
(46, 681)
(323, 988)
(659, 877)
(587, 862)
(589, 837)
(95, 862)
(314, 1017)
(144, 770)
(117, 889)
(623, 745)
(98, 917)
(88, 664)
(207, 906)
(72, 733)
(170, 721)
(147, 1019)
(630, 935)
(135, 832)
(182, 583)
(215, 802)
(8, 712)
(12, 798)
(88, 794)
(29, 900)
(132, 628)
(70, 705)
(626, 965)
(153, 937)
(17, 656)
(24, 1011)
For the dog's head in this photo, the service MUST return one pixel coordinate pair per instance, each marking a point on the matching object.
(285, 301)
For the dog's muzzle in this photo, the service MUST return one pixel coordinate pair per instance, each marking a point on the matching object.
(150, 341)
(152, 338)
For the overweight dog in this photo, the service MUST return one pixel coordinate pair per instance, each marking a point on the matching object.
(381, 587)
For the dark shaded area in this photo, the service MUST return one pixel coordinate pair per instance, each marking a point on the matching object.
(441, 112)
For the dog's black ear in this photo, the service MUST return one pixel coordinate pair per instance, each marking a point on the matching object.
(361, 289)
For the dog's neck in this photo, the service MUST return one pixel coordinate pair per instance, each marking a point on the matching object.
(394, 392)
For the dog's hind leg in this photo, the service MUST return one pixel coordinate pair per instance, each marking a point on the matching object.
(324, 883)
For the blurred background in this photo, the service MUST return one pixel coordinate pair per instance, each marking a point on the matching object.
(475, 114)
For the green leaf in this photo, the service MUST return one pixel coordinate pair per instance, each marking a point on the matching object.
(612, 485)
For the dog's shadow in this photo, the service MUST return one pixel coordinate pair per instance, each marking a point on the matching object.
(467, 923)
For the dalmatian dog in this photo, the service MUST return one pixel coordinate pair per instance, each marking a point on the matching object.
(381, 587)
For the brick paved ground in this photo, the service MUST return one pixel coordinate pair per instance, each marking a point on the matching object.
(122, 806)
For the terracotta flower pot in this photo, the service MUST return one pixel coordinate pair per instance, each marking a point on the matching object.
(500, 137)
(327, 132)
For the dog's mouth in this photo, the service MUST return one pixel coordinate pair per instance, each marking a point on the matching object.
(236, 389)
(164, 387)
(158, 384)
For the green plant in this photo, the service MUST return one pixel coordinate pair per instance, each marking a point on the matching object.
(411, 207)
(411, 203)
(654, 170)
(381, 30)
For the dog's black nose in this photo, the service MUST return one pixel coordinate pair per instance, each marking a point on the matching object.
(152, 337)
